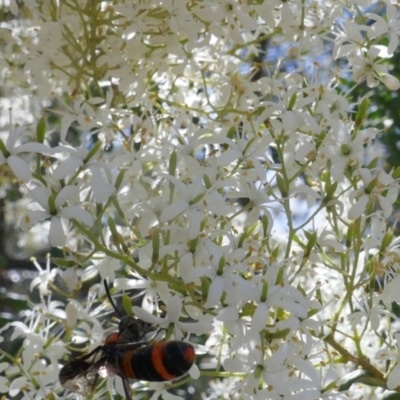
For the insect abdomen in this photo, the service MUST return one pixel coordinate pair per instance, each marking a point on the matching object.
(163, 361)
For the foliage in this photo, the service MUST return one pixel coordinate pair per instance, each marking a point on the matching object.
(211, 156)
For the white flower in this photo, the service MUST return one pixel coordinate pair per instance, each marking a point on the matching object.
(373, 314)
(72, 315)
(391, 291)
(370, 68)
(38, 364)
(378, 187)
(56, 208)
(173, 315)
(259, 199)
(345, 149)
(70, 278)
(329, 102)
(4, 382)
(234, 325)
(386, 28)
(349, 39)
(45, 276)
(10, 153)
(77, 161)
(104, 266)
(200, 132)
(387, 354)
(149, 290)
(160, 391)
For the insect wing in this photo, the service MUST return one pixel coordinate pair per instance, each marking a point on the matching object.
(79, 376)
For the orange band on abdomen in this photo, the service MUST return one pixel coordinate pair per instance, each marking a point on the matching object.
(127, 365)
(157, 360)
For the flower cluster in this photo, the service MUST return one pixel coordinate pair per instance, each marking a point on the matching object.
(207, 159)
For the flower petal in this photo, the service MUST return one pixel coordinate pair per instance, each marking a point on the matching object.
(196, 327)
(391, 82)
(78, 213)
(33, 148)
(147, 221)
(128, 284)
(174, 308)
(40, 195)
(70, 278)
(102, 190)
(394, 377)
(33, 217)
(56, 234)
(215, 292)
(260, 317)
(67, 193)
(173, 210)
(358, 208)
(20, 168)
(72, 314)
(227, 314)
(148, 317)
(67, 167)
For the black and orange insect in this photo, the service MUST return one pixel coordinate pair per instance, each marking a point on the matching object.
(127, 354)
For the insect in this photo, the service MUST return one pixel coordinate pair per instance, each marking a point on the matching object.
(129, 355)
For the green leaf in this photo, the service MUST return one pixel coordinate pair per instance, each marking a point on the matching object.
(205, 285)
(116, 237)
(373, 164)
(387, 240)
(41, 130)
(173, 159)
(275, 252)
(279, 275)
(221, 266)
(281, 185)
(231, 133)
(127, 304)
(243, 237)
(362, 111)
(359, 376)
(292, 101)
(278, 335)
(197, 198)
(312, 239)
(62, 262)
(207, 181)
(96, 147)
(4, 150)
(119, 180)
(156, 246)
(396, 173)
(265, 223)
(264, 293)
(52, 205)
(330, 189)
(349, 235)
(297, 240)
(313, 312)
